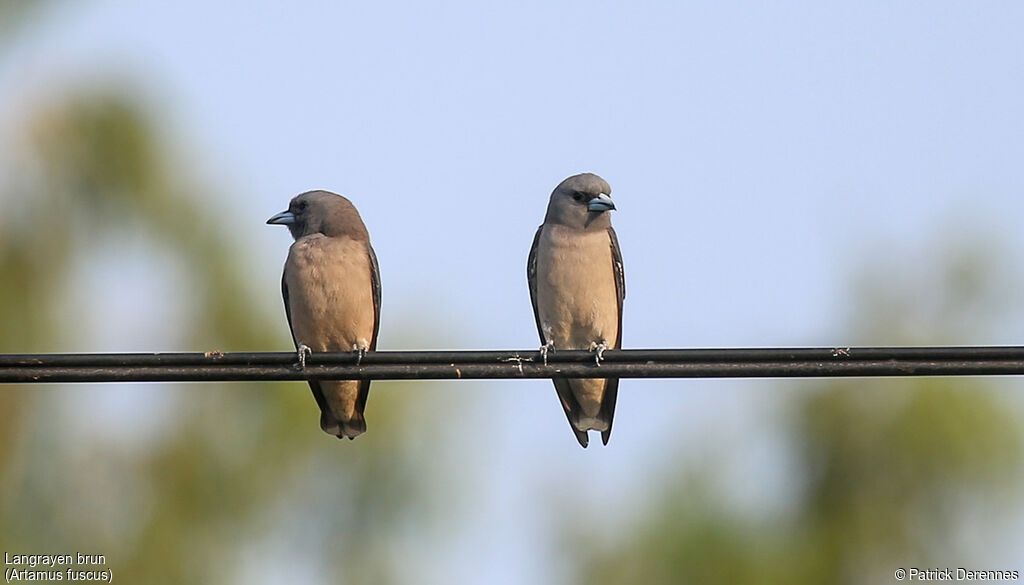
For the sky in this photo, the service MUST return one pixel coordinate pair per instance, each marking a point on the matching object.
(759, 154)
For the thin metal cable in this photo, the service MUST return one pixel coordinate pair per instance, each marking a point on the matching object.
(433, 365)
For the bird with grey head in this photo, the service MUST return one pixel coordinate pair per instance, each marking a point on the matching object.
(577, 287)
(331, 289)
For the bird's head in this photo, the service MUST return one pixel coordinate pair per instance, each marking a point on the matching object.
(581, 201)
(321, 212)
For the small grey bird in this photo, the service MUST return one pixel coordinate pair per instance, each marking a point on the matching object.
(331, 288)
(577, 285)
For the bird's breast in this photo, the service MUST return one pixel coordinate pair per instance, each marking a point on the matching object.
(330, 292)
(577, 298)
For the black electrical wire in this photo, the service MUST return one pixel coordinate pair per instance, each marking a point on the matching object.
(433, 365)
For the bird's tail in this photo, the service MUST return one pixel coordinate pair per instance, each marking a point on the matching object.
(350, 428)
(572, 392)
(353, 427)
(341, 406)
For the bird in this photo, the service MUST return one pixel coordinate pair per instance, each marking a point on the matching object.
(331, 289)
(577, 287)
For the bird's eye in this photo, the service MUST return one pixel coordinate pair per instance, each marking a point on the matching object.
(302, 205)
(578, 196)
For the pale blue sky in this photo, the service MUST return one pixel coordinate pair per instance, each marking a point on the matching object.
(758, 153)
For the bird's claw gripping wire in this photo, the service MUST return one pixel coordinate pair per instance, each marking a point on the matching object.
(598, 349)
(544, 349)
(304, 351)
(360, 352)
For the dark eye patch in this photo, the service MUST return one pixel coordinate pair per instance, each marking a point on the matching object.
(578, 196)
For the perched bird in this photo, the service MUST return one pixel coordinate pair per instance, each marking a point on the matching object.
(331, 288)
(577, 286)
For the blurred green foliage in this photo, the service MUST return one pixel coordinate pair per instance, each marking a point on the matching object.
(882, 473)
(182, 508)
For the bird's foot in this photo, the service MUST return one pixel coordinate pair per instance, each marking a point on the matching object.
(360, 352)
(598, 349)
(304, 351)
(544, 349)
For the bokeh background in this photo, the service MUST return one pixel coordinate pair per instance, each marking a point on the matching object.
(786, 174)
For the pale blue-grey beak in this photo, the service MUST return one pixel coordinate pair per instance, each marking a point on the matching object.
(601, 203)
(283, 218)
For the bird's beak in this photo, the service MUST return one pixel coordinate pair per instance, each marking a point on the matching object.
(601, 203)
(283, 218)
